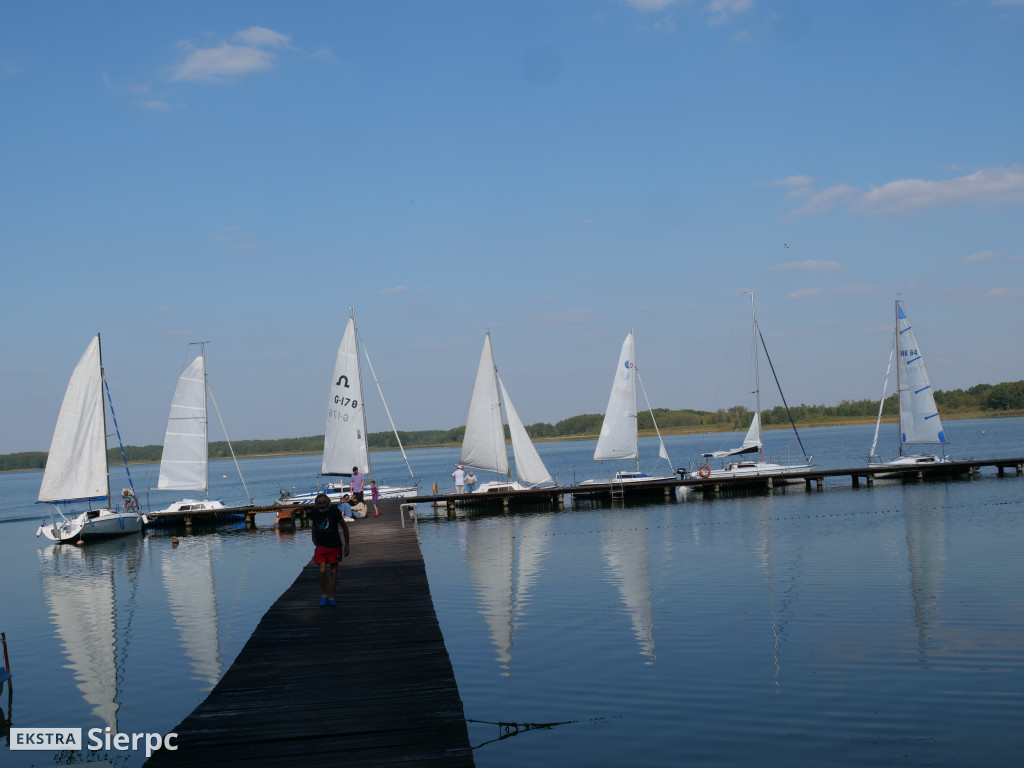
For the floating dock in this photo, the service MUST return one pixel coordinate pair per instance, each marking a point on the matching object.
(366, 683)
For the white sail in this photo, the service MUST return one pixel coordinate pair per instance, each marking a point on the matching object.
(529, 466)
(483, 445)
(345, 432)
(76, 467)
(919, 417)
(751, 443)
(185, 459)
(618, 438)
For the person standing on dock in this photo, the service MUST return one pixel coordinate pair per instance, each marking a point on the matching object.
(470, 481)
(374, 497)
(460, 479)
(328, 525)
(358, 481)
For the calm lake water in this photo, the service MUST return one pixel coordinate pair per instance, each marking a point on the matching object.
(849, 627)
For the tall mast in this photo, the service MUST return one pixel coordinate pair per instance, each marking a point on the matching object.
(103, 408)
(636, 414)
(899, 379)
(362, 409)
(497, 391)
(757, 376)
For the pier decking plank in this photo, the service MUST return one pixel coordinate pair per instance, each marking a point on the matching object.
(367, 683)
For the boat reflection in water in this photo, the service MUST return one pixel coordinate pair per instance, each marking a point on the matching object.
(504, 565)
(188, 579)
(626, 556)
(80, 585)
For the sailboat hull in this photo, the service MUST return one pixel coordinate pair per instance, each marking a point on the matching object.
(910, 461)
(91, 525)
(335, 492)
(757, 471)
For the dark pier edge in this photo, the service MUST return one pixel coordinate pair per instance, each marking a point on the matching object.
(366, 683)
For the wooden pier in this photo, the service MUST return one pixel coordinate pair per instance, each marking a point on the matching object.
(366, 683)
(712, 486)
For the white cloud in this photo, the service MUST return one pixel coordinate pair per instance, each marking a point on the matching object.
(793, 181)
(228, 60)
(810, 265)
(155, 105)
(649, 5)
(722, 11)
(989, 185)
(222, 62)
(975, 258)
(804, 294)
(263, 38)
(824, 201)
(1005, 294)
(395, 289)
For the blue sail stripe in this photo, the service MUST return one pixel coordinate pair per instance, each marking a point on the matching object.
(913, 360)
(906, 329)
(922, 389)
(931, 417)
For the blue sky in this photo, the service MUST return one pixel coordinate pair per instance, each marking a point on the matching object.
(244, 172)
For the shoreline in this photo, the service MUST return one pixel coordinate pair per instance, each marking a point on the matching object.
(642, 433)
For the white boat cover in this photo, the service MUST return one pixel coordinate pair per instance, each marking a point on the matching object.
(618, 438)
(184, 463)
(483, 445)
(919, 417)
(76, 467)
(345, 433)
(751, 443)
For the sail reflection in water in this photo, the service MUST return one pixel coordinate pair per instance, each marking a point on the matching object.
(626, 556)
(80, 584)
(504, 557)
(188, 578)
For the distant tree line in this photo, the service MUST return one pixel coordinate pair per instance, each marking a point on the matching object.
(980, 400)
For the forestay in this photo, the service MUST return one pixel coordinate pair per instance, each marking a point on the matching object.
(185, 459)
(76, 467)
(529, 467)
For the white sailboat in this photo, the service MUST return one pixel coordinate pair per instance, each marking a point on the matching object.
(345, 433)
(752, 444)
(619, 439)
(76, 467)
(184, 463)
(919, 422)
(483, 445)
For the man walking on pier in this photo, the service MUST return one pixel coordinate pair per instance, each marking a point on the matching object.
(326, 520)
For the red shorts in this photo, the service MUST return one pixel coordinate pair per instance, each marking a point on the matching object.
(326, 555)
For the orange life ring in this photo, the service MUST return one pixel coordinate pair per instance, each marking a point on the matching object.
(704, 471)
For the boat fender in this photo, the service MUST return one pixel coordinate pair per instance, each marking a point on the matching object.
(704, 471)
